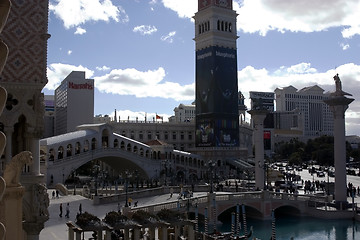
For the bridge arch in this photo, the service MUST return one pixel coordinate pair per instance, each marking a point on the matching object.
(250, 211)
(286, 210)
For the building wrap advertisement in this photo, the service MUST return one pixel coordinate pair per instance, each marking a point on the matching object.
(216, 98)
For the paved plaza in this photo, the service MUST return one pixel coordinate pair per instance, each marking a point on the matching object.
(55, 227)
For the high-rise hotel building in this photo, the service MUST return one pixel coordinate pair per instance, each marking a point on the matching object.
(309, 101)
(74, 102)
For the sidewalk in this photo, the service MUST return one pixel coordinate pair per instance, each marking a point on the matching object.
(56, 229)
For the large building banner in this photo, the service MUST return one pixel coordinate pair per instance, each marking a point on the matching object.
(216, 98)
(216, 81)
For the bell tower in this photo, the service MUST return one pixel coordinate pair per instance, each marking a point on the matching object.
(217, 116)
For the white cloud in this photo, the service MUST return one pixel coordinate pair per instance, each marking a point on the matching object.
(143, 84)
(184, 8)
(76, 12)
(168, 38)
(69, 52)
(344, 46)
(80, 31)
(103, 68)
(145, 29)
(261, 16)
(56, 72)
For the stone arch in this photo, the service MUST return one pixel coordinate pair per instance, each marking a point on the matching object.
(60, 152)
(147, 153)
(105, 138)
(287, 210)
(158, 155)
(51, 154)
(122, 145)
(135, 149)
(77, 148)
(116, 143)
(69, 150)
(86, 145)
(128, 147)
(19, 138)
(141, 152)
(93, 143)
(250, 211)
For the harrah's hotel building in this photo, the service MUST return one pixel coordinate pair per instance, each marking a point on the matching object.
(74, 102)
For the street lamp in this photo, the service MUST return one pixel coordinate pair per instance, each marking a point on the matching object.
(96, 173)
(211, 170)
(127, 175)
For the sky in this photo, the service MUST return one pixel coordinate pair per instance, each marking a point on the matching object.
(141, 53)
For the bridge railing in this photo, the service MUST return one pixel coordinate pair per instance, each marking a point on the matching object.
(93, 153)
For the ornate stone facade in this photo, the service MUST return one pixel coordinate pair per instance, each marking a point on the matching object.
(24, 77)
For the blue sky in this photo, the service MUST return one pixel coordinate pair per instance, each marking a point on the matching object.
(141, 53)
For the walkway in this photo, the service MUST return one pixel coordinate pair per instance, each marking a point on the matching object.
(55, 227)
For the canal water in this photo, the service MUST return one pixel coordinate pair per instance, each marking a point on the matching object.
(301, 228)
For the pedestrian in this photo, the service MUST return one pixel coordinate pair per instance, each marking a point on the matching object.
(67, 210)
(119, 208)
(60, 215)
(57, 193)
(53, 194)
(171, 192)
(80, 209)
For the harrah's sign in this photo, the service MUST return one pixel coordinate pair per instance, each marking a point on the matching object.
(81, 86)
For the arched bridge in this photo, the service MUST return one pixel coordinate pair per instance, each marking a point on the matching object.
(258, 204)
(63, 154)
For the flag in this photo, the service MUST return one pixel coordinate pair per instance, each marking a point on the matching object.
(158, 117)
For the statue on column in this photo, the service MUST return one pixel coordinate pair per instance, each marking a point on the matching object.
(338, 87)
(14, 168)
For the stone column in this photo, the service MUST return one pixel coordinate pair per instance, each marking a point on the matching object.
(126, 234)
(8, 151)
(136, 233)
(338, 105)
(164, 233)
(258, 117)
(35, 150)
(11, 212)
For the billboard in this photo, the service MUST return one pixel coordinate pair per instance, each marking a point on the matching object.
(216, 81)
(217, 132)
(262, 100)
(217, 117)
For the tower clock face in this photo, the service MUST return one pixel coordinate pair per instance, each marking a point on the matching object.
(204, 3)
(224, 3)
